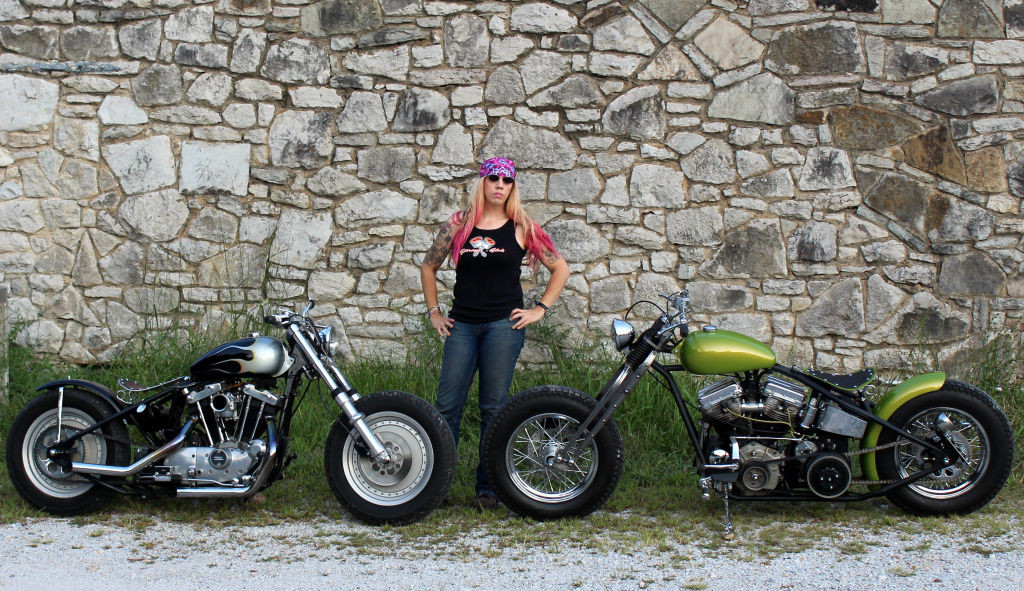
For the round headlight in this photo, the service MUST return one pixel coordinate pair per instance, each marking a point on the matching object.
(623, 334)
(327, 338)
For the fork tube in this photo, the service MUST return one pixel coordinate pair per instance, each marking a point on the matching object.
(339, 390)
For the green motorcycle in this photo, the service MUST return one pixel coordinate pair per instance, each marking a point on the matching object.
(765, 431)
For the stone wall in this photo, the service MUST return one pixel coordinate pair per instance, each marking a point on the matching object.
(841, 184)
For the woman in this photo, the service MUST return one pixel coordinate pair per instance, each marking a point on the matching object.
(487, 242)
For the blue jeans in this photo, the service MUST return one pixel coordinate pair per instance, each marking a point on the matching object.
(492, 348)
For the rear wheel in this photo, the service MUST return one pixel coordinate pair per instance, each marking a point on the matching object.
(422, 464)
(974, 425)
(47, 483)
(528, 461)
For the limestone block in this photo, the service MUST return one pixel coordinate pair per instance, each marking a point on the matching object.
(247, 51)
(190, 24)
(577, 241)
(158, 84)
(377, 208)
(300, 238)
(695, 226)
(638, 114)
(839, 310)
(363, 112)
(214, 168)
(713, 162)
(392, 62)
(542, 68)
(466, 41)
(30, 41)
(964, 97)
(728, 44)
(623, 34)
(36, 100)
(297, 60)
(670, 64)
(454, 146)
(339, 17)
(826, 168)
(142, 165)
(799, 49)
(537, 17)
(333, 182)
(505, 86)
(77, 137)
(157, 216)
(580, 185)
(653, 185)
(754, 251)
(386, 165)
(121, 110)
(88, 43)
(141, 40)
(528, 147)
(764, 98)
(300, 139)
(421, 110)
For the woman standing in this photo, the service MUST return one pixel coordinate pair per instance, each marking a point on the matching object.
(487, 242)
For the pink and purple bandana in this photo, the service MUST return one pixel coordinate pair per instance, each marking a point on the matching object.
(500, 166)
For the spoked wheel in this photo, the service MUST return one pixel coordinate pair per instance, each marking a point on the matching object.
(47, 483)
(530, 461)
(421, 469)
(535, 461)
(970, 420)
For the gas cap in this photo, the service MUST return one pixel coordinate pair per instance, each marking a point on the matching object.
(710, 328)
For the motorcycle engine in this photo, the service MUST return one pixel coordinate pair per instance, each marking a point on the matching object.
(727, 402)
(224, 448)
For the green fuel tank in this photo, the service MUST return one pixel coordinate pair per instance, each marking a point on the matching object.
(723, 352)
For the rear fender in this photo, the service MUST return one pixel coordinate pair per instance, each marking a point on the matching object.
(86, 385)
(887, 406)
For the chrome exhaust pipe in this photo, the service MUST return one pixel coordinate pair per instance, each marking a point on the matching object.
(159, 454)
(213, 492)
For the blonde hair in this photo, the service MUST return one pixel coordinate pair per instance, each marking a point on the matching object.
(536, 239)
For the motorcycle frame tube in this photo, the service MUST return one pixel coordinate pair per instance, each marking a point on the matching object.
(684, 413)
(339, 390)
(888, 404)
(125, 414)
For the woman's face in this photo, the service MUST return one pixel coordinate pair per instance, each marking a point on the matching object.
(497, 188)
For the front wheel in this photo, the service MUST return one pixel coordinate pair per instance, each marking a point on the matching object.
(974, 425)
(527, 458)
(422, 463)
(46, 483)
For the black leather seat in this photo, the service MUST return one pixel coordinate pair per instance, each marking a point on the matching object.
(850, 382)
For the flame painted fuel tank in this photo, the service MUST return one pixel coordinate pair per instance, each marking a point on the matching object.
(723, 352)
(251, 357)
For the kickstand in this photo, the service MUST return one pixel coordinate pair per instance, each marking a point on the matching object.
(729, 533)
(723, 489)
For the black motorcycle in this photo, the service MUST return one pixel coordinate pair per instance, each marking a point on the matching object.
(223, 431)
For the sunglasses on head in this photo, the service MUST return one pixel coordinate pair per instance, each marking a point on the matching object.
(505, 179)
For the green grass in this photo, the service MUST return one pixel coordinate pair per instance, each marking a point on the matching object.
(656, 504)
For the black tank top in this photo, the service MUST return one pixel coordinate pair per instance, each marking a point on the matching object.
(487, 286)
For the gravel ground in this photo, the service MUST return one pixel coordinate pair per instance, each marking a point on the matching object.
(58, 553)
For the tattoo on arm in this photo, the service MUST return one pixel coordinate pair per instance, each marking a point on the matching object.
(441, 247)
(550, 257)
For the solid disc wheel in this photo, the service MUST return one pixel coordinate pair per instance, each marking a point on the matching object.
(530, 463)
(421, 467)
(42, 480)
(970, 420)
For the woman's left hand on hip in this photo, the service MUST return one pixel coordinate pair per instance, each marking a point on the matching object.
(522, 318)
